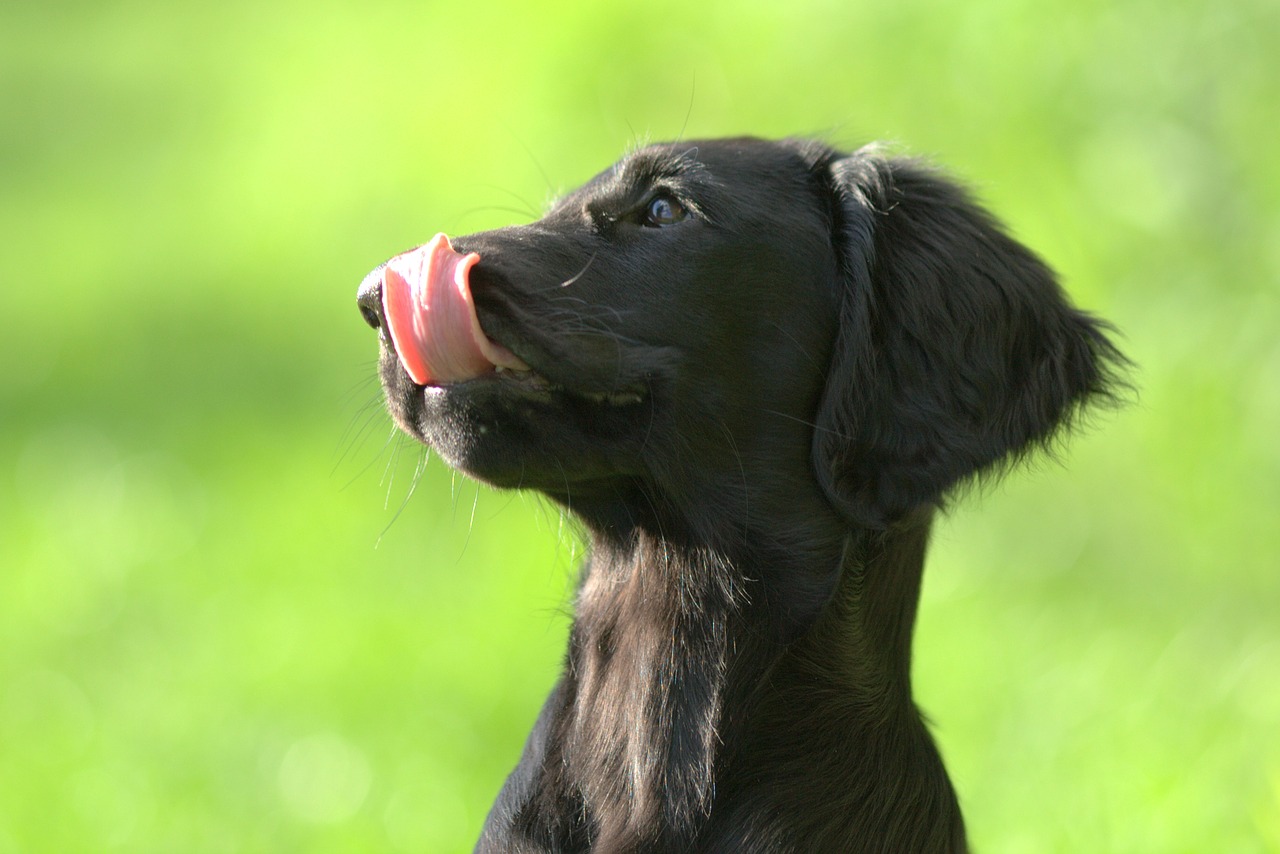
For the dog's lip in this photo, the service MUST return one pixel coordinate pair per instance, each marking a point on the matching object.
(533, 385)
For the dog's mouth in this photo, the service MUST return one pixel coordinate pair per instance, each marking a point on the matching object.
(436, 334)
(431, 317)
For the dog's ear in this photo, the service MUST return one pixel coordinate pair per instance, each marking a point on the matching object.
(957, 349)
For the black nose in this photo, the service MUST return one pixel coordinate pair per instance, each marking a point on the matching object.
(369, 298)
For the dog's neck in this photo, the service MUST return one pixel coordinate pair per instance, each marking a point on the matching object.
(678, 670)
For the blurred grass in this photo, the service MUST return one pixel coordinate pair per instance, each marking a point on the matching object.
(225, 625)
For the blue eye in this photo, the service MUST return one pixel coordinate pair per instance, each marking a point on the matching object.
(663, 211)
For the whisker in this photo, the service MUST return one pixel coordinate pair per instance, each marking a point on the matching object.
(742, 469)
(470, 212)
(527, 210)
(648, 433)
(418, 471)
(362, 383)
(536, 163)
(617, 314)
(568, 493)
(358, 441)
(388, 473)
(804, 352)
(471, 523)
(693, 90)
(581, 272)
(817, 427)
(363, 416)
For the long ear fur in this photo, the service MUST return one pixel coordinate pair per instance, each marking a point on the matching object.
(957, 349)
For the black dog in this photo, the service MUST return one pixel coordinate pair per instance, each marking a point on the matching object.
(752, 370)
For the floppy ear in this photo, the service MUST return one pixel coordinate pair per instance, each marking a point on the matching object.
(957, 349)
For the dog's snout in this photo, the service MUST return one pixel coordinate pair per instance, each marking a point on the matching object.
(369, 299)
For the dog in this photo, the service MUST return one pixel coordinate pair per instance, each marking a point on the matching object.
(753, 371)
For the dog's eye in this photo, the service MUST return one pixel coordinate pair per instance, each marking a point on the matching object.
(663, 211)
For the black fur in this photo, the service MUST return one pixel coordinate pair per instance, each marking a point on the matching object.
(754, 411)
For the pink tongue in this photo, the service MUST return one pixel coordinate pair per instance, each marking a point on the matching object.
(432, 319)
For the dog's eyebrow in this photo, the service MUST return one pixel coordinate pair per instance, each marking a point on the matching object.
(653, 166)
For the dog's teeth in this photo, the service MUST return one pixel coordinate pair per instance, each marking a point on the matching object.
(612, 398)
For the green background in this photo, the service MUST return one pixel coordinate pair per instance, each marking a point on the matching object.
(225, 623)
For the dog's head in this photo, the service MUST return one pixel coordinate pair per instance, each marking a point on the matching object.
(669, 323)
(735, 321)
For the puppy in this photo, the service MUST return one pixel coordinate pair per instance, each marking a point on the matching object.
(752, 370)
